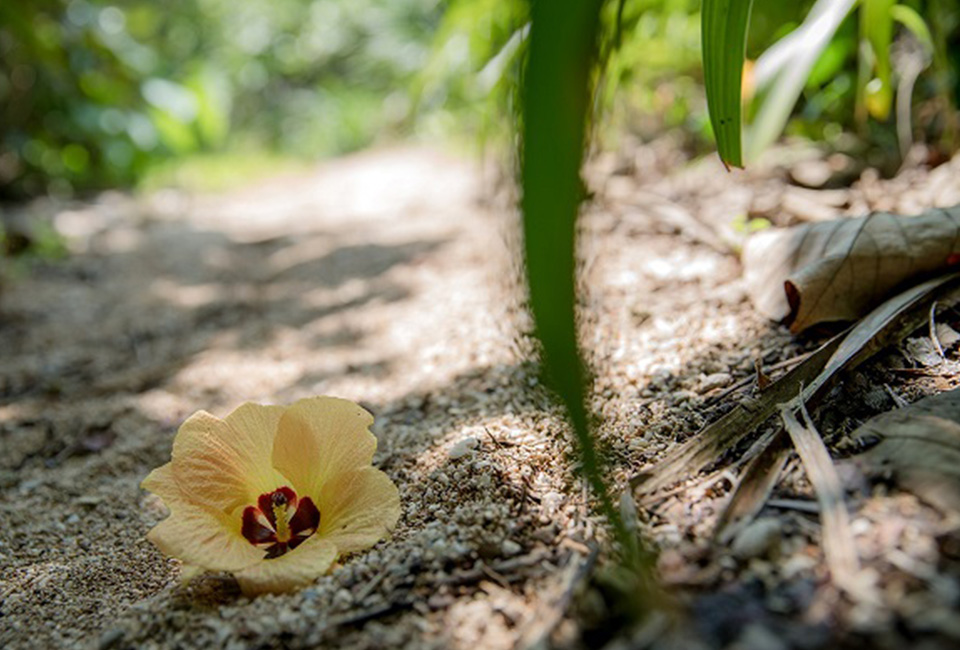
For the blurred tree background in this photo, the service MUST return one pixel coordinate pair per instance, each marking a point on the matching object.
(101, 93)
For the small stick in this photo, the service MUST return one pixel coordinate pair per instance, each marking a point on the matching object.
(763, 380)
(839, 547)
(370, 586)
(899, 401)
(496, 577)
(795, 504)
(933, 331)
(743, 383)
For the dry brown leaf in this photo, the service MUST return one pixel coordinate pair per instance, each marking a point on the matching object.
(817, 374)
(920, 446)
(888, 323)
(839, 547)
(714, 440)
(754, 488)
(838, 270)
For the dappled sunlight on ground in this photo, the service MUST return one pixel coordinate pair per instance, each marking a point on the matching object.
(377, 278)
(382, 278)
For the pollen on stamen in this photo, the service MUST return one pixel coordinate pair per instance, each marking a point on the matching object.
(280, 521)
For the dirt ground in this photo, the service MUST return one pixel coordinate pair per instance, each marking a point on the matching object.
(391, 278)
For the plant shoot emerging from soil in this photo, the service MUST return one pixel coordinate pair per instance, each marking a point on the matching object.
(273, 494)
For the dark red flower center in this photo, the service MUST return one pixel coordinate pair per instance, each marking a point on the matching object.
(280, 521)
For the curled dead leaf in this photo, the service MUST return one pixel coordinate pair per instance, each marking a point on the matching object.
(838, 270)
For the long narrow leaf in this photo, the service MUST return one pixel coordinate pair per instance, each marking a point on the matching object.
(562, 50)
(914, 22)
(724, 35)
(782, 71)
(839, 547)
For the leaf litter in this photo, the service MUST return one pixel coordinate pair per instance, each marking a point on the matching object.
(721, 443)
(816, 374)
(918, 448)
(838, 270)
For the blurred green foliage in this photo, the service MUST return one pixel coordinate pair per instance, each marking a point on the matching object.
(472, 77)
(97, 93)
(650, 77)
(94, 93)
(883, 52)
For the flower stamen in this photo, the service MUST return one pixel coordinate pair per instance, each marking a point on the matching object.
(280, 521)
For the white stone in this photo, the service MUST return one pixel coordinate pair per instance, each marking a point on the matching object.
(464, 447)
(757, 539)
(510, 548)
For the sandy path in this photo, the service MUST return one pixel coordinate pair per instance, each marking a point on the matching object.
(378, 279)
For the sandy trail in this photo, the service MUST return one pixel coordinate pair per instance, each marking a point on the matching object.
(377, 278)
(382, 278)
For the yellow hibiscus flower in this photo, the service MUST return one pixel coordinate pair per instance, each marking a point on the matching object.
(273, 494)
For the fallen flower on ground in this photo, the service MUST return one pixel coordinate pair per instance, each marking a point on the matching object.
(273, 494)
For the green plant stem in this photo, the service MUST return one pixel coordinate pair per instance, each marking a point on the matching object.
(563, 48)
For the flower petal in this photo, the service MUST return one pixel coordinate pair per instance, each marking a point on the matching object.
(296, 568)
(189, 572)
(319, 438)
(203, 537)
(162, 482)
(258, 422)
(358, 509)
(225, 464)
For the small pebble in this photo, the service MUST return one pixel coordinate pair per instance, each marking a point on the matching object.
(464, 447)
(716, 380)
(796, 565)
(111, 638)
(758, 637)
(551, 503)
(510, 548)
(343, 598)
(757, 539)
(30, 485)
(440, 601)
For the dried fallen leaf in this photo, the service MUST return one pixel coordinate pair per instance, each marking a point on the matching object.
(920, 447)
(946, 336)
(838, 270)
(754, 488)
(839, 547)
(817, 374)
(886, 324)
(922, 351)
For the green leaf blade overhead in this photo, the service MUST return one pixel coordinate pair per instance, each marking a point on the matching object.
(724, 28)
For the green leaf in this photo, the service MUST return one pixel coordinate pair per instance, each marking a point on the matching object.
(914, 22)
(556, 103)
(781, 73)
(876, 27)
(724, 27)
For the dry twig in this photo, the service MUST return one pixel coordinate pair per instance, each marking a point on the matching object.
(839, 547)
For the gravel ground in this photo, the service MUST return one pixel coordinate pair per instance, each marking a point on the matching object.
(383, 278)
